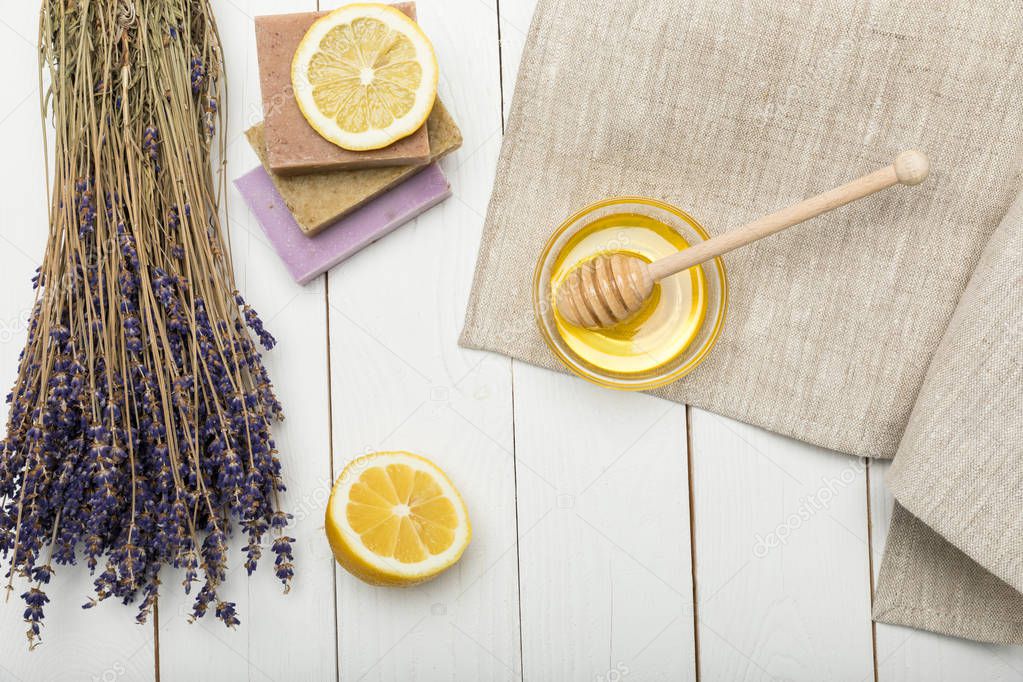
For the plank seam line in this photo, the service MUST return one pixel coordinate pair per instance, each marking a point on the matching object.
(156, 637)
(500, 64)
(870, 568)
(330, 450)
(515, 459)
(692, 542)
(515, 495)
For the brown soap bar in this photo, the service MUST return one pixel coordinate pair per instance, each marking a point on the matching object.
(293, 146)
(319, 200)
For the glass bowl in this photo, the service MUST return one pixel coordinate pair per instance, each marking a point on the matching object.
(672, 334)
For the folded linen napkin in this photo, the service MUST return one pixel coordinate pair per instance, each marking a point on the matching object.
(731, 110)
(959, 467)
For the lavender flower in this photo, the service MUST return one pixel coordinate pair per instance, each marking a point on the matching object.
(35, 599)
(85, 207)
(283, 567)
(198, 75)
(226, 613)
(151, 146)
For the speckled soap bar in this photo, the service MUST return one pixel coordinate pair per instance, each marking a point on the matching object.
(305, 256)
(321, 199)
(293, 146)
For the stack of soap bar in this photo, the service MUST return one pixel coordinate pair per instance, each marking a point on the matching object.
(293, 146)
(320, 200)
(308, 256)
(317, 203)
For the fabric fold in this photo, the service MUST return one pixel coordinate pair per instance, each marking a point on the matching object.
(959, 467)
(925, 582)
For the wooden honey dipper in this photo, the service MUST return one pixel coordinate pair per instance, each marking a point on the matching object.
(603, 291)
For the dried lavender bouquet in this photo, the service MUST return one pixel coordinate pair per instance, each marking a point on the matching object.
(139, 425)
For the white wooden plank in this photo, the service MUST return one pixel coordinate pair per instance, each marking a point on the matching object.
(400, 382)
(603, 511)
(906, 654)
(104, 641)
(604, 526)
(281, 636)
(781, 556)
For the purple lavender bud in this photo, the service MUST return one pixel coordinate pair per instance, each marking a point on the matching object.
(198, 75)
(226, 612)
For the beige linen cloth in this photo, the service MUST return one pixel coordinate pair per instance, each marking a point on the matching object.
(893, 325)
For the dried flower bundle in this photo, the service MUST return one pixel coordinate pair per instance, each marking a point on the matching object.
(139, 426)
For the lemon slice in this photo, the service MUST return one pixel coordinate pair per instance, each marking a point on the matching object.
(394, 518)
(364, 76)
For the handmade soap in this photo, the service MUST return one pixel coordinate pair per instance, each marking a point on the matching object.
(305, 256)
(293, 146)
(319, 200)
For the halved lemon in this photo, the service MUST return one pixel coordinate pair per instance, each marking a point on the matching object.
(394, 518)
(365, 76)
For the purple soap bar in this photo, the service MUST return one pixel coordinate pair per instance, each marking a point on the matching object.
(305, 256)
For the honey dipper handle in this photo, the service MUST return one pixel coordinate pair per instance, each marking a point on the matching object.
(909, 168)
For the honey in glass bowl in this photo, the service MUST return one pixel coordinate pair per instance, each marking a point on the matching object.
(668, 322)
(675, 328)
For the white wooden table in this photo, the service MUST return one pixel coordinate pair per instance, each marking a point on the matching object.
(617, 537)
